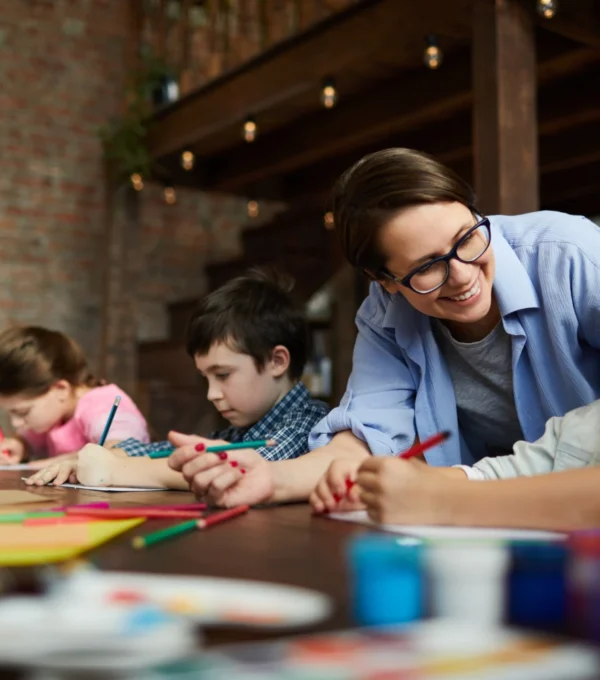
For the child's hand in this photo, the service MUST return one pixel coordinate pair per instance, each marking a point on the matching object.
(399, 491)
(57, 474)
(96, 465)
(336, 491)
(12, 451)
(228, 479)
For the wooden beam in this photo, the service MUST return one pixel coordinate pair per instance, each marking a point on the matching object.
(379, 114)
(370, 34)
(417, 99)
(504, 115)
(579, 21)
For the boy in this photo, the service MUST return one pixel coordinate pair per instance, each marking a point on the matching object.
(250, 342)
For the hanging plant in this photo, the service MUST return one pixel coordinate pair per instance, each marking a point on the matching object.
(125, 139)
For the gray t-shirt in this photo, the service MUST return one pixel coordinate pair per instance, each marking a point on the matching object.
(482, 377)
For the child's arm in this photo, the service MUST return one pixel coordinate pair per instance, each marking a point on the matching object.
(98, 466)
(406, 492)
(527, 459)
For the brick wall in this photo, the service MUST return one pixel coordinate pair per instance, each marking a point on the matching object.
(62, 68)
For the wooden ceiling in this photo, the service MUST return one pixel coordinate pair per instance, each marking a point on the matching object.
(387, 97)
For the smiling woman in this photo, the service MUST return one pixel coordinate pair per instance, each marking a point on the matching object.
(486, 327)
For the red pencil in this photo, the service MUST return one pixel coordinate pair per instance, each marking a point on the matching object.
(218, 517)
(415, 450)
(125, 513)
(429, 443)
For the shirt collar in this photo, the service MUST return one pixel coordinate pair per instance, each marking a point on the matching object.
(294, 399)
(512, 286)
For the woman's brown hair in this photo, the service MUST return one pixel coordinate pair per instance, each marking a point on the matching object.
(377, 188)
(32, 359)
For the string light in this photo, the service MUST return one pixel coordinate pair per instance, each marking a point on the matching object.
(433, 54)
(547, 8)
(187, 160)
(137, 181)
(250, 130)
(170, 195)
(329, 94)
(328, 220)
(253, 209)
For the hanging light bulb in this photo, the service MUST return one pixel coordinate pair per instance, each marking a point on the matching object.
(187, 160)
(328, 220)
(170, 195)
(329, 94)
(433, 54)
(253, 209)
(547, 8)
(136, 181)
(250, 129)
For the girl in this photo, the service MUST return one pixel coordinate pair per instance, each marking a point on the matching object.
(54, 402)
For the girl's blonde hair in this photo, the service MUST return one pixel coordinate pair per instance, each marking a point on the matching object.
(32, 359)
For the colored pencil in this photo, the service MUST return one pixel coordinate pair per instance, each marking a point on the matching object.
(415, 450)
(125, 513)
(98, 504)
(256, 444)
(111, 415)
(22, 516)
(185, 527)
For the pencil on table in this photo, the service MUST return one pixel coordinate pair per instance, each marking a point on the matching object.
(111, 416)
(255, 444)
(185, 527)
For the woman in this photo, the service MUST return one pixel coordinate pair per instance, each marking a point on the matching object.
(485, 327)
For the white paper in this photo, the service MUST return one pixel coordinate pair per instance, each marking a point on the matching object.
(20, 466)
(112, 488)
(106, 488)
(450, 533)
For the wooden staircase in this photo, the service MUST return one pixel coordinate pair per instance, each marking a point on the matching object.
(170, 390)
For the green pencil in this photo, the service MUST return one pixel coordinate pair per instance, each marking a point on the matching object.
(163, 534)
(14, 517)
(256, 444)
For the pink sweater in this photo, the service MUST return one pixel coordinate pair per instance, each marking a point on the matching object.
(87, 424)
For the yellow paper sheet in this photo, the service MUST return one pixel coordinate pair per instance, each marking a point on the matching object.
(99, 532)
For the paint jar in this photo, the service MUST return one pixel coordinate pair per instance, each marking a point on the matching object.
(583, 585)
(386, 579)
(537, 590)
(467, 580)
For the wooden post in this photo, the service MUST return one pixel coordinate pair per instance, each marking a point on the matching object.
(504, 113)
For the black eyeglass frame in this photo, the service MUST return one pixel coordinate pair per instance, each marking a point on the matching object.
(451, 255)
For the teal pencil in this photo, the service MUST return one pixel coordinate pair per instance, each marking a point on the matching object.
(256, 444)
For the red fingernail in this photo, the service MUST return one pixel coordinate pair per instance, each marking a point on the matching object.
(243, 471)
(222, 455)
(349, 484)
(337, 498)
(200, 447)
(233, 463)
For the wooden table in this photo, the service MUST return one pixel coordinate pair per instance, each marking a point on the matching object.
(283, 544)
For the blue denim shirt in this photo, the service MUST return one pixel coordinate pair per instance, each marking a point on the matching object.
(547, 285)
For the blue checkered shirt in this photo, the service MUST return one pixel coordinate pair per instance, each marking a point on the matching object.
(289, 423)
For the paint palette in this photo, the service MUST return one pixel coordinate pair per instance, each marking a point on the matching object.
(207, 601)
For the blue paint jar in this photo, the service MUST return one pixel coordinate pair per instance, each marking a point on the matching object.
(386, 579)
(537, 593)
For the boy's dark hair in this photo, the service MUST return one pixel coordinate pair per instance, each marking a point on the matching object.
(252, 314)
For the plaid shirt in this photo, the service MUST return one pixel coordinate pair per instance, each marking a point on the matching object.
(289, 423)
